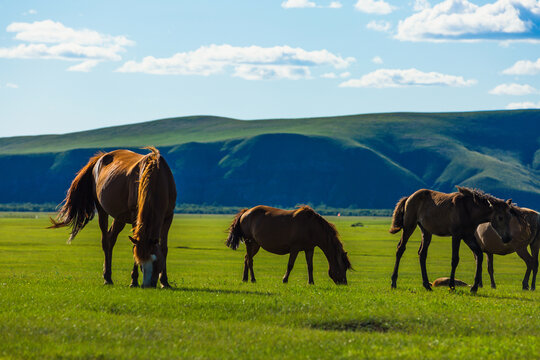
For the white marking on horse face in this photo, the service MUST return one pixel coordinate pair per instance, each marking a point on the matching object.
(147, 268)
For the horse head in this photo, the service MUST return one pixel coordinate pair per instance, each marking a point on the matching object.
(503, 212)
(148, 256)
(338, 268)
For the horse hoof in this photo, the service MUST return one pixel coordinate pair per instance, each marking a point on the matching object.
(244, 280)
(428, 287)
(526, 288)
(166, 286)
(108, 282)
(474, 289)
(253, 280)
(134, 285)
(285, 281)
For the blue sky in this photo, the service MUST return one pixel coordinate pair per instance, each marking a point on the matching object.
(76, 65)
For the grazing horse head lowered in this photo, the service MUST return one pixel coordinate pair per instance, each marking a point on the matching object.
(133, 189)
(288, 232)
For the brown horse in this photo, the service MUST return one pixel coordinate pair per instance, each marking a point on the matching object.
(288, 232)
(456, 215)
(523, 235)
(134, 189)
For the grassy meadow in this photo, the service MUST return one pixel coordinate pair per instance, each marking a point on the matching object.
(53, 304)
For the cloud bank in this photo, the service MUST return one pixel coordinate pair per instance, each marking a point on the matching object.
(250, 63)
(52, 40)
(394, 78)
(513, 89)
(461, 20)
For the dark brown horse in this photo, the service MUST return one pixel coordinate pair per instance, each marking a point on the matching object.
(288, 232)
(134, 189)
(456, 215)
(524, 233)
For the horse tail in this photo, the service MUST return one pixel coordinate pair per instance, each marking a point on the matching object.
(397, 217)
(146, 213)
(235, 231)
(79, 205)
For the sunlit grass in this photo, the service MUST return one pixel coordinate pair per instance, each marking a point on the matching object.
(53, 303)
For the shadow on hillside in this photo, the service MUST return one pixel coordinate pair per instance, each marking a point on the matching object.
(221, 291)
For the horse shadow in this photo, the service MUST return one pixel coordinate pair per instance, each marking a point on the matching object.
(220, 291)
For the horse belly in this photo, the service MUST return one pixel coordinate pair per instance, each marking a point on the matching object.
(490, 241)
(114, 197)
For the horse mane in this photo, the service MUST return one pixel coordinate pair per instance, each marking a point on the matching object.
(478, 195)
(146, 212)
(330, 231)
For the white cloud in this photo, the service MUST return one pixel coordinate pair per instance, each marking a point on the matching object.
(385, 78)
(420, 5)
(290, 4)
(383, 26)
(335, 5)
(85, 66)
(345, 74)
(380, 7)
(377, 60)
(251, 62)
(12, 86)
(523, 105)
(461, 20)
(513, 89)
(52, 40)
(524, 67)
(30, 12)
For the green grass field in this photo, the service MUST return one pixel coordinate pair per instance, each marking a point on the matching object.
(53, 304)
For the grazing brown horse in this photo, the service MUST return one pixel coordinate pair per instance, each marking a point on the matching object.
(523, 235)
(134, 189)
(456, 215)
(288, 232)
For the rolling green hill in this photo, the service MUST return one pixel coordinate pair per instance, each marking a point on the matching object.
(365, 161)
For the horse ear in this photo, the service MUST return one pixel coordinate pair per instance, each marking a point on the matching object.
(135, 242)
(509, 201)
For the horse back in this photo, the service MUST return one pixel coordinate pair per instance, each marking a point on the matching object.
(437, 212)
(277, 230)
(116, 177)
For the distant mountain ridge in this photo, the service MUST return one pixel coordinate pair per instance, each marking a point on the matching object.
(362, 161)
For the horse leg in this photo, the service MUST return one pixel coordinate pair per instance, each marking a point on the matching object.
(103, 220)
(252, 248)
(528, 259)
(290, 265)
(405, 235)
(473, 245)
(422, 253)
(134, 276)
(309, 261)
(535, 248)
(163, 279)
(456, 242)
(490, 270)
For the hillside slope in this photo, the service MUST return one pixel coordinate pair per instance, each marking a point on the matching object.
(365, 161)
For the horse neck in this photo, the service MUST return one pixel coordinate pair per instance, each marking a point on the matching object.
(479, 213)
(330, 250)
